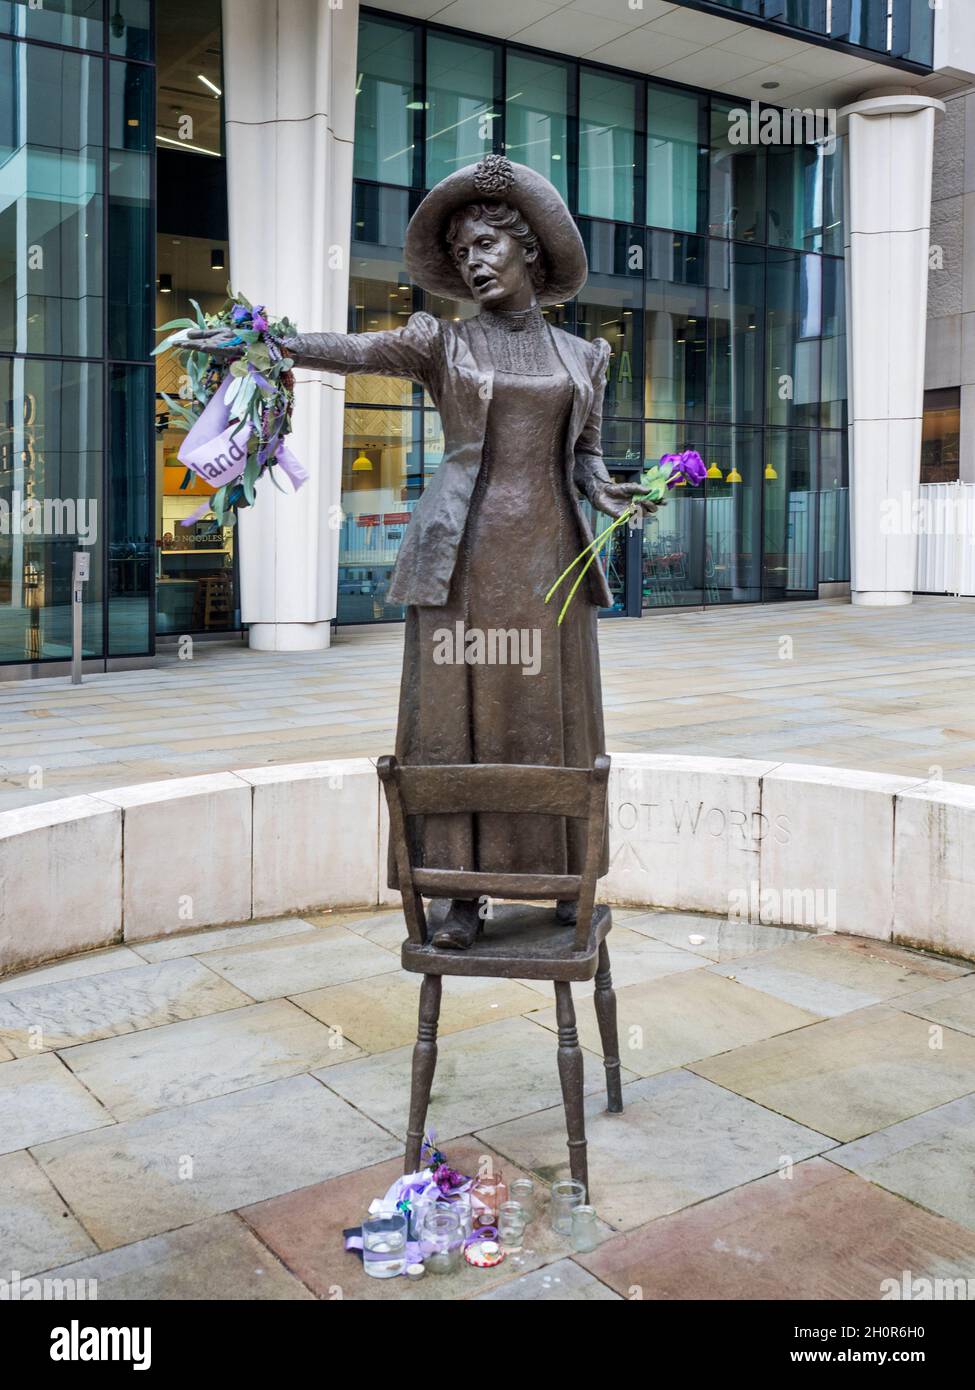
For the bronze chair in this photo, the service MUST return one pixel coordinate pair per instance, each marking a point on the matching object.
(518, 941)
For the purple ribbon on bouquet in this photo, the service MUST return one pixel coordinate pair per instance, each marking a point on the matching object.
(215, 448)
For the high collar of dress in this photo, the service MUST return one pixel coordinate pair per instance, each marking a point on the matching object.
(513, 320)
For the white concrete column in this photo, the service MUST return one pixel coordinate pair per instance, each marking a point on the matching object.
(888, 220)
(289, 73)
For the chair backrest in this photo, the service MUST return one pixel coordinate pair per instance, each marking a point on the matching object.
(508, 789)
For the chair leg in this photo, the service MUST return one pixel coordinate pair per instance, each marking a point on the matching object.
(570, 1075)
(605, 1001)
(424, 1065)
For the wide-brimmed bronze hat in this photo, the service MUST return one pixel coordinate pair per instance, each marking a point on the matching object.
(496, 179)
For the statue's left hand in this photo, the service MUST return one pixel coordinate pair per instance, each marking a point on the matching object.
(614, 498)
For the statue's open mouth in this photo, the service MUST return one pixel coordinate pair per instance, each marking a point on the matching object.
(481, 281)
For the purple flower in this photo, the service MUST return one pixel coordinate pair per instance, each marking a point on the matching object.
(447, 1179)
(687, 467)
(258, 321)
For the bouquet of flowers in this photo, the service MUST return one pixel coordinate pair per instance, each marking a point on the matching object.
(684, 468)
(238, 418)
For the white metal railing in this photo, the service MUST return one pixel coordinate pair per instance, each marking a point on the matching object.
(945, 525)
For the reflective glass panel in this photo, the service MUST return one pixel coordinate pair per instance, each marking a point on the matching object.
(737, 174)
(74, 23)
(608, 107)
(131, 547)
(834, 508)
(674, 536)
(733, 553)
(793, 328)
(388, 102)
(51, 206)
(462, 111)
(676, 159)
(735, 325)
(131, 230)
(537, 113)
(834, 393)
(790, 513)
(676, 327)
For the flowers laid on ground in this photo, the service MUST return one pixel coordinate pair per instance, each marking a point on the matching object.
(237, 418)
(673, 470)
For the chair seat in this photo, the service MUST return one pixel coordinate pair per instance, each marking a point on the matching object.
(518, 942)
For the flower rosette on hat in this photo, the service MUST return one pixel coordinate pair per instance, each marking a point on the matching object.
(673, 470)
(237, 418)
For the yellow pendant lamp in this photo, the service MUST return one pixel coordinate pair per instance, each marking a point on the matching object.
(734, 476)
(362, 464)
(770, 473)
(714, 472)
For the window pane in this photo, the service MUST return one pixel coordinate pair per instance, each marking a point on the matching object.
(130, 29)
(834, 509)
(791, 529)
(941, 436)
(130, 548)
(75, 23)
(733, 556)
(674, 537)
(833, 199)
(131, 232)
(50, 483)
(607, 145)
(834, 393)
(793, 328)
(462, 116)
(610, 306)
(388, 102)
(795, 196)
(537, 108)
(810, 14)
(382, 473)
(737, 176)
(51, 214)
(380, 299)
(737, 342)
(676, 333)
(676, 159)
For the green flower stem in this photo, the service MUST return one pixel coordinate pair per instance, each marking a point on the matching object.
(592, 551)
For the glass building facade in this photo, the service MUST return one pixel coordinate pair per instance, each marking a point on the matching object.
(76, 271)
(716, 275)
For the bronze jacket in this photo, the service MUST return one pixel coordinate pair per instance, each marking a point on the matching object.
(451, 361)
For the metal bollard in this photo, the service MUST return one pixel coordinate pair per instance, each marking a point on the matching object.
(80, 574)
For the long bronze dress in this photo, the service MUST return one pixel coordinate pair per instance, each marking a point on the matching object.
(520, 534)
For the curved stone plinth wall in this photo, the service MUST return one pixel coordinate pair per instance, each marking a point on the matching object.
(778, 843)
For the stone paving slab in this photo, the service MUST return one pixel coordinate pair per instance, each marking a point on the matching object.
(714, 937)
(296, 964)
(121, 1001)
(177, 1166)
(304, 1229)
(561, 1282)
(40, 1099)
(205, 1057)
(484, 1075)
(381, 1013)
(200, 943)
(676, 1142)
(929, 1159)
(685, 1018)
(215, 1259)
(36, 1228)
(850, 1075)
(951, 1004)
(91, 963)
(823, 1234)
(832, 974)
(634, 957)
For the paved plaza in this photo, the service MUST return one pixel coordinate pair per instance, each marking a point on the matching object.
(888, 690)
(202, 1116)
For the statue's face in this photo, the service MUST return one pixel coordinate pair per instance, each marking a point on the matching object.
(493, 265)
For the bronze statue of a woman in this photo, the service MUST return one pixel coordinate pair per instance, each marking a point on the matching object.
(521, 406)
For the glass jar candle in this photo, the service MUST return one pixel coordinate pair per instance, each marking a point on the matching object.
(460, 1203)
(487, 1194)
(442, 1240)
(512, 1220)
(523, 1190)
(384, 1245)
(565, 1196)
(585, 1231)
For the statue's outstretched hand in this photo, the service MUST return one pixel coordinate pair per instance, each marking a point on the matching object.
(215, 341)
(615, 498)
